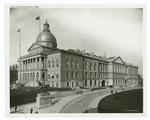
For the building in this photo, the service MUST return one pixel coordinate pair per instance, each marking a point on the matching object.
(71, 68)
(13, 73)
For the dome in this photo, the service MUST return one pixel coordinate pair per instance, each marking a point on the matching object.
(46, 38)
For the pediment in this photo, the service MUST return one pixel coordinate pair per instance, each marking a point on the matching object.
(34, 46)
(118, 60)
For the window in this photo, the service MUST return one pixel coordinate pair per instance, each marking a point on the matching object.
(86, 65)
(85, 82)
(90, 66)
(56, 75)
(91, 74)
(67, 74)
(95, 82)
(52, 75)
(52, 84)
(95, 66)
(77, 83)
(72, 74)
(90, 82)
(86, 74)
(53, 62)
(77, 75)
(95, 74)
(72, 64)
(49, 63)
(77, 64)
(49, 76)
(67, 84)
(56, 84)
(57, 62)
(68, 63)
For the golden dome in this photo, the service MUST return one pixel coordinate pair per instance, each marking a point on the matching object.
(46, 38)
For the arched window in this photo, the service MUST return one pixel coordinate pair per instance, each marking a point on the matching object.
(53, 62)
(49, 63)
(90, 66)
(68, 63)
(86, 65)
(77, 64)
(72, 63)
(57, 62)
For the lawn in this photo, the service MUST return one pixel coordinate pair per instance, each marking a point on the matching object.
(25, 95)
(124, 102)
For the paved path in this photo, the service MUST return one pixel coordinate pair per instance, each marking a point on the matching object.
(58, 104)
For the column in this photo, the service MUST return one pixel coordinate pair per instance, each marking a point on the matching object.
(44, 63)
(27, 65)
(35, 63)
(39, 63)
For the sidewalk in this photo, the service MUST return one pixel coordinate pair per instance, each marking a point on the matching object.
(56, 107)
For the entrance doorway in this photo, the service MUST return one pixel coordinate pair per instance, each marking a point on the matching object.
(103, 83)
(72, 84)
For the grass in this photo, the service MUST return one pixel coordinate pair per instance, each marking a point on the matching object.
(127, 102)
(24, 95)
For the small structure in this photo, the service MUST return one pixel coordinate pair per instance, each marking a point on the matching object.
(44, 98)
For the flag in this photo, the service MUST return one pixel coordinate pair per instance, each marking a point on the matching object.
(18, 30)
(37, 18)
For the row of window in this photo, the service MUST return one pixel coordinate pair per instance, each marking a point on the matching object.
(72, 63)
(94, 83)
(72, 74)
(95, 75)
(119, 75)
(54, 84)
(94, 66)
(53, 63)
(119, 82)
(76, 84)
(53, 75)
(119, 69)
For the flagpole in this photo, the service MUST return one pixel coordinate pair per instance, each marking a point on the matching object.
(20, 43)
(39, 24)
(19, 36)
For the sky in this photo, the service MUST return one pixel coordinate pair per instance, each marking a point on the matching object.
(110, 31)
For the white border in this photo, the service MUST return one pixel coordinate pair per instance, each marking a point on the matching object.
(137, 2)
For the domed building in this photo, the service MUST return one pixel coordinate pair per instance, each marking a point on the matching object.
(46, 38)
(71, 68)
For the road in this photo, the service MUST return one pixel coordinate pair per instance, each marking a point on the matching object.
(80, 104)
